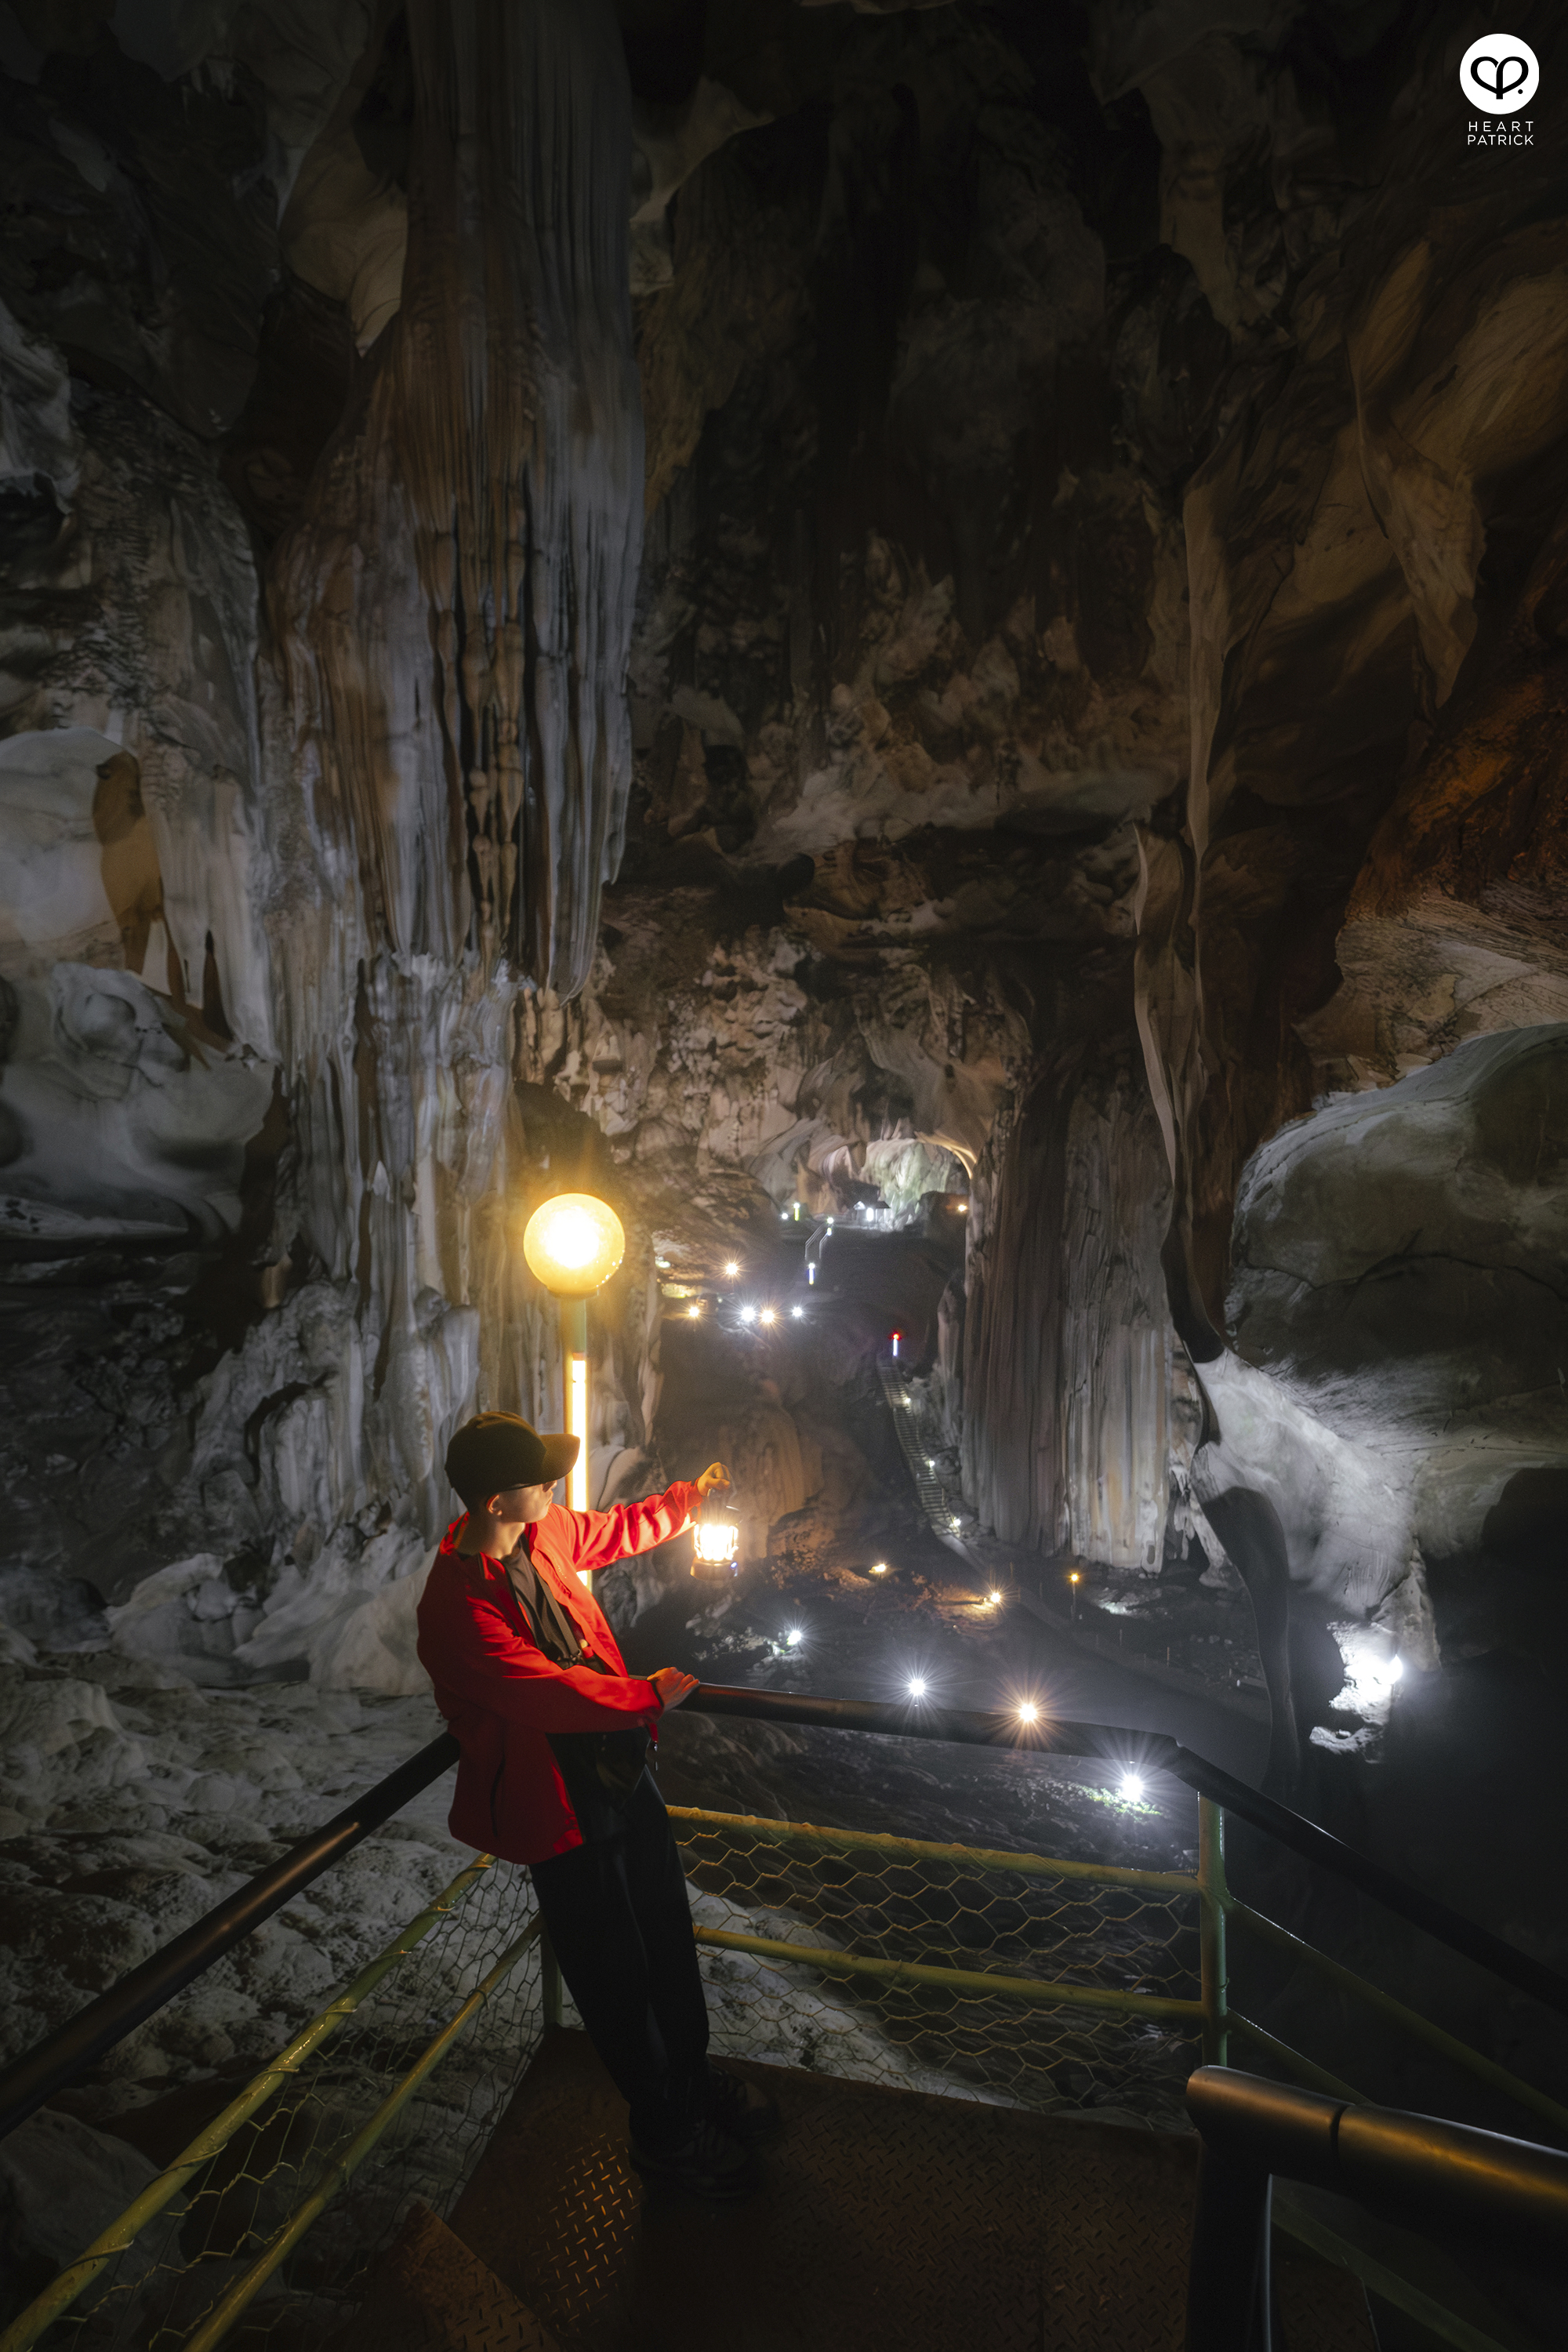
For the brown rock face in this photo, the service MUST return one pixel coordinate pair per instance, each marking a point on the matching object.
(951, 616)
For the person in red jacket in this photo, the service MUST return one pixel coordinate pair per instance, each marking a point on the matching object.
(555, 1736)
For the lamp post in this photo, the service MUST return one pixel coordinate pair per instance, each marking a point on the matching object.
(572, 1245)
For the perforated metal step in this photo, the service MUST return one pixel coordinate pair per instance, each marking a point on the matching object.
(889, 2221)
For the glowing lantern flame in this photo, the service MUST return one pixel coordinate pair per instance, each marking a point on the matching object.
(715, 1537)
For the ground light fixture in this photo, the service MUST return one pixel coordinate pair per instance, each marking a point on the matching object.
(796, 1312)
(748, 1314)
(794, 1638)
(732, 1268)
(572, 1245)
(893, 1340)
(768, 1315)
(878, 1568)
(1131, 1787)
(992, 1598)
(917, 1685)
(1028, 1712)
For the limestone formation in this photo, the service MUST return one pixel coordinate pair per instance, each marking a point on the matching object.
(955, 617)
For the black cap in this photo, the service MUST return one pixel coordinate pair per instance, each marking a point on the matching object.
(497, 1450)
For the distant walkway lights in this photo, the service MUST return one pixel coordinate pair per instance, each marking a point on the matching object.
(572, 1245)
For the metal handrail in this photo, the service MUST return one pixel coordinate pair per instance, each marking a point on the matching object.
(1157, 1751)
(133, 1998)
(884, 1975)
(1419, 2171)
(50, 2064)
(161, 2191)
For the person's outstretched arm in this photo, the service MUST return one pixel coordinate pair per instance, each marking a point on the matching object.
(601, 1538)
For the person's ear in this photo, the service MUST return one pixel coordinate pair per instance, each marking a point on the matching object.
(491, 1507)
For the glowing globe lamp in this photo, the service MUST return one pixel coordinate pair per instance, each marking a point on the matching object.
(572, 1245)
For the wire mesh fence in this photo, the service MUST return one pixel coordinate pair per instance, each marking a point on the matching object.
(1129, 1940)
(166, 2287)
(996, 1977)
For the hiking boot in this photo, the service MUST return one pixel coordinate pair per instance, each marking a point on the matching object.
(709, 2163)
(739, 2108)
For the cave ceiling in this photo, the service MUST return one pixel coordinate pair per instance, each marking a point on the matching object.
(757, 602)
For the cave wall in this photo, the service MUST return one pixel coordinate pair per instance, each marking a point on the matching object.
(851, 606)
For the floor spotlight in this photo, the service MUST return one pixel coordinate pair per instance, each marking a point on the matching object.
(748, 1314)
(1028, 1712)
(993, 1598)
(917, 1685)
(794, 1637)
(1131, 1789)
(767, 1316)
(880, 1568)
(797, 1312)
(732, 1266)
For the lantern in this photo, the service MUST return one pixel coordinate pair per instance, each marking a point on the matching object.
(715, 1536)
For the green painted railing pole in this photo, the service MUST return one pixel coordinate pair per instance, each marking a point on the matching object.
(1214, 1895)
(343, 2166)
(970, 1984)
(63, 2291)
(549, 1980)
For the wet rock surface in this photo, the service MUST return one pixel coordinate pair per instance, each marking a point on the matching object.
(969, 643)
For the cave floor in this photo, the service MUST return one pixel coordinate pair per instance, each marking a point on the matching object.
(886, 2218)
(865, 1638)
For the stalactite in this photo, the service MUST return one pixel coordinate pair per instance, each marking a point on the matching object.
(453, 613)
(1066, 1365)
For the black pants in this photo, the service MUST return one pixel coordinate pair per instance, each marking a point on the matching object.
(617, 1915)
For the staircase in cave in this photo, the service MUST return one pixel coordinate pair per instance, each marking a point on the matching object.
(888, 2220)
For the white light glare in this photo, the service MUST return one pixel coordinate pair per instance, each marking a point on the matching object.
(1028, 1712)
(1131, 1787)
(748, 1314)
(732, 1265)
(917, 1685)
(797, 1312)
(993, 1598)
(767, 1316)
(794, 1637)
(880, 1568)
(694, 1312)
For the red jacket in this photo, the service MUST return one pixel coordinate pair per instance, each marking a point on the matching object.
(502, 1696)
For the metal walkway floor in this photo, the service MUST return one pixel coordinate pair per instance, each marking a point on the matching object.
(889, 2221)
